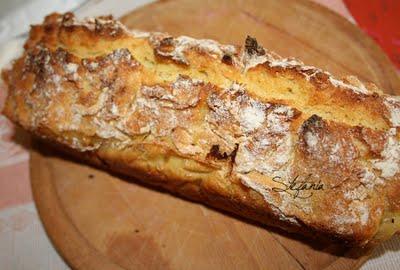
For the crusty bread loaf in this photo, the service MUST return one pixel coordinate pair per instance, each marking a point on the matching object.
(238, 128)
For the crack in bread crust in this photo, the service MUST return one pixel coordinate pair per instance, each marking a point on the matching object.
(237, 128)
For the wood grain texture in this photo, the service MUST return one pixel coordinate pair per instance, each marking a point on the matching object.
(100, 221)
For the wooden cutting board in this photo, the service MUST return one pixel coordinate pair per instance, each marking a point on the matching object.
(99, 221)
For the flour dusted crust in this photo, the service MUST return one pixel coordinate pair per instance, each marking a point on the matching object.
(225, 125)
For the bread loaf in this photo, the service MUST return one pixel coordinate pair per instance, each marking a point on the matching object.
(237, 128)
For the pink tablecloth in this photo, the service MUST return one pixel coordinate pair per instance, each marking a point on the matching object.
(23, 242)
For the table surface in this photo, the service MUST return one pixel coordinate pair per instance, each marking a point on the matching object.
(23, 242)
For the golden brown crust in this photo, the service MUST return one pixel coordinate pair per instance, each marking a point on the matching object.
(241, 129)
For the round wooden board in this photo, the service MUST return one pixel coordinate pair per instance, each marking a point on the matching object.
(99, 221)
